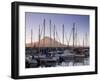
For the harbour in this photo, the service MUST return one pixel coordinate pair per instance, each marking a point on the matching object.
(57, 58)
(49, 51)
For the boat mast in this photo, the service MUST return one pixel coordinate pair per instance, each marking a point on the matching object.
(39, 39)
(76, 37)
(54, 34)
(50, 33)
(31, 38)
(83, 42)
(73, 34)
(63, 34)
(86, 40)
(44, 33)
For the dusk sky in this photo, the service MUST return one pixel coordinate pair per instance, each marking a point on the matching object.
(33, 20)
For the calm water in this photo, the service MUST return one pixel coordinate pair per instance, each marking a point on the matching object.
(64, 59)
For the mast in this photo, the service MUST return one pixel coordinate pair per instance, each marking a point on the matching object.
(63, 34)
(83, 46)
(50, 32)
(73, 34)
(54, 34)
(86, 40)
(31, 38)
(76, 37)
(44, 33)
(39, 39)
(83, 42)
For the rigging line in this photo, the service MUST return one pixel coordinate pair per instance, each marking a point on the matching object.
(70, 37)
(57, 35)
(77, 38)
(78, 41)
(41, 32)
(66, 38)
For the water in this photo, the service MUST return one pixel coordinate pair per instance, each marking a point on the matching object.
(67, 58)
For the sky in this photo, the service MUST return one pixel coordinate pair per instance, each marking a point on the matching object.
(33, 20)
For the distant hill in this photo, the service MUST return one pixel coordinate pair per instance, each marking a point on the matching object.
(53, 43)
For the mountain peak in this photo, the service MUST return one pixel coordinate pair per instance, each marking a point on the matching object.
(46, 37)
(49, 42)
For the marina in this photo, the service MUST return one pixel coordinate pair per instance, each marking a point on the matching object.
(53, 59)
(49, 52)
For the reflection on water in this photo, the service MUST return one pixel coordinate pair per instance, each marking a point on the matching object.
(86, 62)
(57, 58)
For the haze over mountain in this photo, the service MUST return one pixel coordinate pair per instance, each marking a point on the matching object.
(49, 42)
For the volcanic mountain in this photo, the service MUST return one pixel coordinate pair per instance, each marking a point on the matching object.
(49, 42)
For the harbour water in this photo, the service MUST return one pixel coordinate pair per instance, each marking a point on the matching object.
(57, 58)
